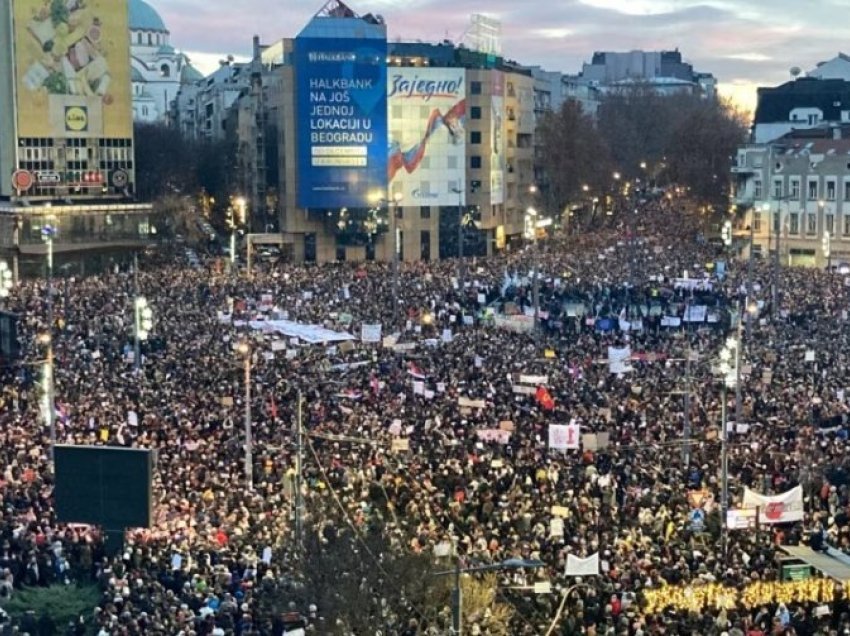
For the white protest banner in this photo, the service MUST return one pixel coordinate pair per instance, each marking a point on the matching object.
(400, 444)
(782, 508)
(695, 313)
(564, 436)
(577, 566)
(619, 360)
(418, 387)
(278, 345)
(560, 511)
(493, 435)
(447, 335)
(524, 389)
(556, 527)
(132, 418)
(469, 403)
(810, 355)
(537, 380)
(370, 333)
(517, 324)
(671, 321)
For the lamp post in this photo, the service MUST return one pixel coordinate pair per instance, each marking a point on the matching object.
(5, 280)
(730, 359)
(46, 340)
(143, 323)
(457, 595)
(827, 250)
(531, 228)
(392, 209)
(460, 237)
(244, 349)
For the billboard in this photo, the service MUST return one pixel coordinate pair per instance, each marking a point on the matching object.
(72, 68)
(497, 138)
(427, 150)
(342, 120)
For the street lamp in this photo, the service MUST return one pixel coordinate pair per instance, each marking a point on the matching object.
(727, 233)
(244, 349)
(5, 280)
(729, 368)
(392, 208)
(143, 324)
(457, 596)
(827, 251)
(461, 235)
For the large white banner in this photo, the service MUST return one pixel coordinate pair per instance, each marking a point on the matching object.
(577, 566)
(370, 333)
(427, 131)
(783, 508)
(564, 436)
(619, 360)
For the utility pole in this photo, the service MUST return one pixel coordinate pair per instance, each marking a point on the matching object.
(750, 280)
(299, 467)
(686, 447)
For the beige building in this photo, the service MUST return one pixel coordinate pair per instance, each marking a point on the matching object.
(461, 140)
(797, 190)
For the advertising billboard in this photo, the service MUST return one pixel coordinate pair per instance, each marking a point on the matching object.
(72, 68)
(497, 138)
(427, 151)
(342, 121)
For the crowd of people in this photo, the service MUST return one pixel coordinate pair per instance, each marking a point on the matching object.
(393, 452)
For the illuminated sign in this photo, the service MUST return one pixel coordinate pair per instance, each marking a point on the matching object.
(342, 111)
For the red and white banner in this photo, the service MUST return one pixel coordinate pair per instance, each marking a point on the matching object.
(782, 508)
(564, 437)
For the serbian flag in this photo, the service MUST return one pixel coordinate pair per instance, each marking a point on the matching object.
(375, 385)
(544, 398)
(350, 394)
(415, 371)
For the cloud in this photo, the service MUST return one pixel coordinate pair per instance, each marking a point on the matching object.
(755, 41)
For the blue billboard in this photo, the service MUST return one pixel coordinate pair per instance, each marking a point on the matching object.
(342, 121)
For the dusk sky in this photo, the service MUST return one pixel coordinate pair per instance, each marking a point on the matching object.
(744, 43)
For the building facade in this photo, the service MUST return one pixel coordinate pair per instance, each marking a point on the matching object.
(429, 135)
(157, 69)
(802, 104)
(66, 130)
(796, 192)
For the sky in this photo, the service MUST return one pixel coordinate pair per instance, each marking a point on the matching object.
(744, 43)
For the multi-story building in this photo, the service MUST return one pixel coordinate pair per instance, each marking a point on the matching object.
(836, 68)
(66, 130)
(200, 109)
(801, 104)
(158, 70)
(458, 124)
(796, 191)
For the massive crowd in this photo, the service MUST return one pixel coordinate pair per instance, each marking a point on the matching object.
(221, 559)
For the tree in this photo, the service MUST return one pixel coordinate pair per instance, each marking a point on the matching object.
(573, 155)
(52, 607)
(165, 162)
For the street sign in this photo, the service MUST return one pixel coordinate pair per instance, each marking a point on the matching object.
(48, 177)
(797, 572)
(22, 180)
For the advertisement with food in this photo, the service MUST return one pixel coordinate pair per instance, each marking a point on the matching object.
(72, 68)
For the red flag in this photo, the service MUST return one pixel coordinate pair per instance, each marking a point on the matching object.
(544, 398)
(415, 371)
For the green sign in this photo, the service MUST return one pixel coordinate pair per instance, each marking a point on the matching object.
(796, 572)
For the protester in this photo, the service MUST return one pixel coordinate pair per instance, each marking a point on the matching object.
(217, 547)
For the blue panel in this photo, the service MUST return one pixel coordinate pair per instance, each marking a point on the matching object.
(342, 121)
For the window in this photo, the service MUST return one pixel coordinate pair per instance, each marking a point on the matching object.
(813, 190)
(475, 137)
(165, 70)
(475, 88)
(829, 219)
(830, 190)
(475, 112)
(777, 188)
(795, 189)
(475, 162)
(795, 223)
(757, 222)
(813, 120)
(847, 190)
(776, 222)
(150, 39)
(757, 189)
(812, 223)
(138, 38)
(847, 225)
(425, 212)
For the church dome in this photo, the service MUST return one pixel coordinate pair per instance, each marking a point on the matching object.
(143, 17)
